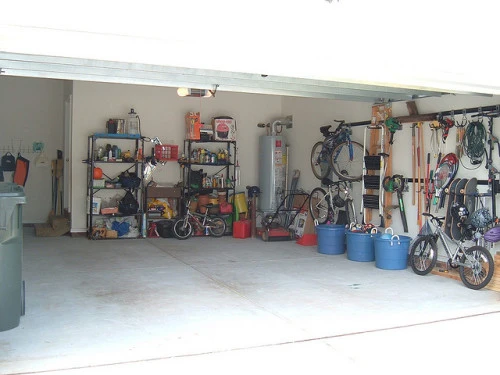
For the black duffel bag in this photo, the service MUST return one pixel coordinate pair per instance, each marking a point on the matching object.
(129, 180)
(164, 228)
(128, 205)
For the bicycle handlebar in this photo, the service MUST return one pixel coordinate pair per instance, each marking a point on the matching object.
(439, 219)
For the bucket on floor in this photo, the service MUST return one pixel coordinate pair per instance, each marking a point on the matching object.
(391, 253)
(331, 239)
(360, 246)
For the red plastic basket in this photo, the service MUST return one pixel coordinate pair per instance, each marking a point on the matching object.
(166, 152)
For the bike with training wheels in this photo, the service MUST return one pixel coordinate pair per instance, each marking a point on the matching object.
(475, 263)
(184, 227)
(338, 153)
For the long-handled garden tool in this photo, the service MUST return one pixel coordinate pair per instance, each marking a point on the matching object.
(396, 184)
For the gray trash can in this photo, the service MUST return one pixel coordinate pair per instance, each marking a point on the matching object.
(12, 198)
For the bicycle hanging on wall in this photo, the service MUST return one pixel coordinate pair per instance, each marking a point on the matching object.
(337, 153)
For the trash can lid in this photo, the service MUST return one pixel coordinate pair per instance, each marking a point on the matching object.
(9, 189)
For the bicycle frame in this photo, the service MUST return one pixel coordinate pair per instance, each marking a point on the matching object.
(200, 220)
(349, 144)
(453, 257)
(445, 240)
(341, 134)
(328, 200)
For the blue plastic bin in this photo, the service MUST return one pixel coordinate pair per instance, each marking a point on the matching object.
(331, 239)
(360, 246)
(391, 253)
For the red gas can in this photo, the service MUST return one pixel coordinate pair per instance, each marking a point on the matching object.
(242, 229)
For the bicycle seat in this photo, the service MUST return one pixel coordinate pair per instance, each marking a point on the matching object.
(327, 181)
(325, 130)
(208, 205)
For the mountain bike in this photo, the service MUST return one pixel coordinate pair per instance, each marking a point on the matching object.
(183, 228)
(324, 204)
(338, 153)
(475, 264)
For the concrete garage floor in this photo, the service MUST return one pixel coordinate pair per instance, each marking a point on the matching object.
(238, 306)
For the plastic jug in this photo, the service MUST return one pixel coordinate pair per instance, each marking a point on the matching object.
(133, 123)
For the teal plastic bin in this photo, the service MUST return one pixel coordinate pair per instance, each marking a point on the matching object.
(391, 253)
(12, 198)
(331, 239)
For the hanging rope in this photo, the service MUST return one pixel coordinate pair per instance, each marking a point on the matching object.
(474, 140)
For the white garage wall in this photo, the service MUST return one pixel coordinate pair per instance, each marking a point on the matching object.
(162, 115)
(310, 114)
(32, 110)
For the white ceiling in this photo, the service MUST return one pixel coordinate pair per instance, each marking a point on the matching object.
(347, 49)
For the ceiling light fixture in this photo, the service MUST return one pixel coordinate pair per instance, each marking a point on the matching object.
(197, 93)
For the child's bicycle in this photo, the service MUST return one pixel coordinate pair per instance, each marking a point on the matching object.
(213, 225)
(338, 153)
(475, 264)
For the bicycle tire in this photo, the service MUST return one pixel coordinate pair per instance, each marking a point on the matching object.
(320, 168)
(423, 255)
(318, 205)
(182, 232)
(472, 276)
(217, 226)
(348, 168)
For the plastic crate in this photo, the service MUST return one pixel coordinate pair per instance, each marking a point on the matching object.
(166, 152)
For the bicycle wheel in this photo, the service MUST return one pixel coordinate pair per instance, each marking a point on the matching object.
(423, 255)
(477, 267)
(347, 161)
(350, 212)
(318, 205)
(217, 226)
(319, 162)
(182, 230)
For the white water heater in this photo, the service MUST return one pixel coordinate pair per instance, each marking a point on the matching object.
(272, 171)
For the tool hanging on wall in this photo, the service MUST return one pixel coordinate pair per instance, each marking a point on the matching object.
(436, 137)
(459, 149)
(446, 125)
(426, 182)
(393, 125)
(419, 172)
(413, 162)
(396, 184)
(432, 186)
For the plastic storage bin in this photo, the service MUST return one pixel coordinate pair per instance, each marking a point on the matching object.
(12, 198)
(391, 253)
(331, 239)
(360, 246)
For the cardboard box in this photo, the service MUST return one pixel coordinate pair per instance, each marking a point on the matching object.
(224, 128)
(193, 125)
(163, 192)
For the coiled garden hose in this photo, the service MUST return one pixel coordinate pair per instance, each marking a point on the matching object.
(474, 140)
